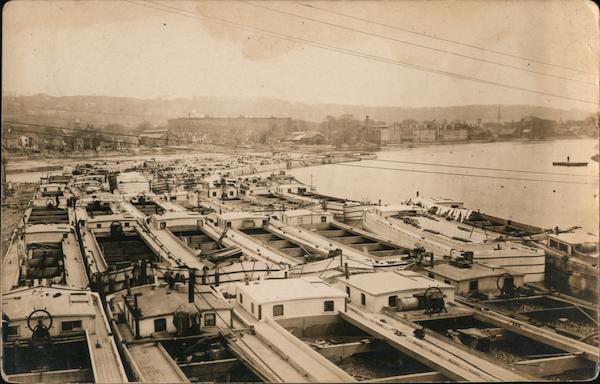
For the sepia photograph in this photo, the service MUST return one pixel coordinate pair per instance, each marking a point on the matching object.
(300, 191)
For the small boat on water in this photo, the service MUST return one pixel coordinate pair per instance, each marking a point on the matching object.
(569, 163)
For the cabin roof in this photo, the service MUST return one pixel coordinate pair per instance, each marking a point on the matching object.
(575, 238)
(157, 301)
(477, 271)
(395, 207)
(306, 212)
(381, 283)
(240, 215)
(58, 301)
(280, 290)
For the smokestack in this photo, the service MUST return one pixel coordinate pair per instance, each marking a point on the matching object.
(136, 315)
(127, 285)
(346, 271)
(191, 291)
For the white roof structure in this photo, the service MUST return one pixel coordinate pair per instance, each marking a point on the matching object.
(278, 290)
(381, 283)
(477, 271)
(240, 216)
(60, 302)
(306, 212)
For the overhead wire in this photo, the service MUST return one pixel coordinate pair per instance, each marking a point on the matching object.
(435, 37)
(466, 174)
(182, 12)
(480, 168)
(416, 44)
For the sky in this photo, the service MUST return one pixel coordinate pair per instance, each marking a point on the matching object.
(190, 48)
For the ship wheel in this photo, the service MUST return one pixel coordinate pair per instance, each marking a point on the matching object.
(434, 300)
(39, 322)
(141, 198)
(508, 288)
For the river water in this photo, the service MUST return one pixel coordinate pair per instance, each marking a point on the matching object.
(520, 183)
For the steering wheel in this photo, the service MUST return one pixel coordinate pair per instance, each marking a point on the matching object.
(502, 277)
(39, 321)
(433, 292)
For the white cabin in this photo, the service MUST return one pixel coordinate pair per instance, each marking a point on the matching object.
(374, 291)
(290, 298)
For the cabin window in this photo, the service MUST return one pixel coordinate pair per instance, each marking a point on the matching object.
(278, 310)
(563, 247)
(98, 225)
(70, 325)
(65, 235)
(252, 308)
(163, 225)
(160, 325)
(241, 298)
(553, 244)
(214, 194)
(323, 219)
(265, 223)
(228, 224)
(448, 282)
(210, 320)
(430, 275)
(13, 330)
(473, 285)
(45, 189)
(127, 224)
(289, 190)
(363, 299)
(328, 306)
(230, 193)
(392, 301)
(172, 198)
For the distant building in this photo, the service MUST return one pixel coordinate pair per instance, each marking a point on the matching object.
(154, 137)
(308, 138)
(377, 132)
(203, 129)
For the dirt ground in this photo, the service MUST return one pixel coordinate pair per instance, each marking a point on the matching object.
(14, 203)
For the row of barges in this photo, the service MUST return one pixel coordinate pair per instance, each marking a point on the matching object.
(135, 272)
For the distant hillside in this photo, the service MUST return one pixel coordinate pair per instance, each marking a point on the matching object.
(131, 111)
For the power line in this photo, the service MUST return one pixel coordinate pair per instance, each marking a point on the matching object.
(465, 174)
(481, 168)
(328, 47)
(446, 40)
(418, 45)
